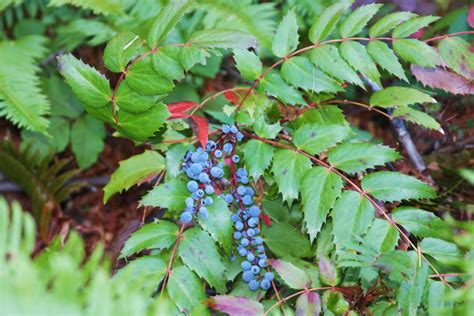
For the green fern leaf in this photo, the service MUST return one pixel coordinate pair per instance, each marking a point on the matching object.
(99, 7)
(21, 100)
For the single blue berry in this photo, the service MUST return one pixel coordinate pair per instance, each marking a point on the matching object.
(200, 193)
(246, 265)
(203, 156)
(262, 263)
(253, 285)
(233, 129)
(209, 200)
(269, 276)
(203, 213)
(247, 200)
(227, 148)
(234, 218)
(239, 225)
(265, 284)
(249, 191)
(241, 190)
(253, 221)
(260, 249)
(250, 257)
(235, 158)
(218, 154)
(192, 186)
(195, 157)
(244, 180)
(258, 240)
(244, 242)
(196, 168)
(237, 235)
(255, 269)
(250, 232)
(211, 145)
(242, 252)
(186, 217)
(239, 136)
(225, 128)
(228, 198)
(204, 177)
(247, 276)
(189, 202)
(254, 211)
(209, 189)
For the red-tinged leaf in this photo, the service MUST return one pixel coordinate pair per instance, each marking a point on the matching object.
(266, 219)
(295, 277)
(327, 271)
(178, 109)
(235, 306)
(419, 34)
(470, 16)
(442, 79)
(232, 97)
(200, 127)
(308, 304)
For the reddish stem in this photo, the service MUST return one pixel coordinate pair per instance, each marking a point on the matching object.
(173, 254)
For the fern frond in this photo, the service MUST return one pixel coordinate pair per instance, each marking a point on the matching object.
(98, 7)
(21, 100)
(256, 19)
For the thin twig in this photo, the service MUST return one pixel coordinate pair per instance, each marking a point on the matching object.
(173, 254)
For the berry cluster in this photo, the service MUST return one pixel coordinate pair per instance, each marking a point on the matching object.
(204, 168)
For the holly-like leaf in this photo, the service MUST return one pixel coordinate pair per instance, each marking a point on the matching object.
(258, 157)
(143, 78)
(417, 117)
(416, 52)
(274, 85)
(91, 87)
(294, 244)
(289, 168)
(443, 251)
(319, 190)
(235, 306)
(327, 58)
(355, 157)
(393, 186)
(128, 100)
(222, 38)
(356, 55)
(358, 19)
(120, 50)
(165, 20)
(167, 64)
(286, 36)
(293, 276)
(300, 72)
(179, 109)
(185, 289)
(265, 130)
(308, 304)
(440, 78)
(399, 96)
(326, 22)
(87, 140)
(421, 223)
(318, 137)
(328, 272)
(157, 235)
(457, 55)
(248, 64)
(413, 25)
(382, 236)
(199, 253)
(200, 125)
(133, 170)
(352, 216)
(388, 22)
(219, 224)
(411, 291)
(385, 58)
(335, 303)
(171, 194)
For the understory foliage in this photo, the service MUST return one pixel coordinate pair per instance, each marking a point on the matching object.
(275, 204)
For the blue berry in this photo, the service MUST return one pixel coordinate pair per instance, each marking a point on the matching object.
(250, 257)
(200, 193)
(254, 211)
(234, 218)
(253, 222)
(241, 172)
(255, 269)
(247, 276)
(239, 225)
(241, 190)
(237, 235)
(244, 180)
(203, 156)
(227, 148)
(228, 198)
(209, 200)
(245, 242)
(250, 232)
(239, 136)
(225, 128)
(189, 202)
(246, 265)
(235, 158)
(247, 200)
(216, 172)
(211, 145)
(253, 285)
(233, 129)
(218, 154)
(233, 258)
(186, 217)
(265, 284)
(269, 276)
(262, 263)
(195, 196)
(203, 213)
(209, 189)
(204, 178)
(242, 252)
(195, 157)
(260, 249)
(196, 168)
(258, 240)
(249, 191)
(192, 186)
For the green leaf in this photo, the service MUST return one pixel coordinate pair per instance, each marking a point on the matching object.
(199, 253)
(411, 291)
(174, 158)
(294, 244)
(308, 304)
(443, 251)
(417, 52)
(397, 264)
(289, 168)
(106, 7)
(328, 272)
(21, 100)
(286, 36)
(399, 96)
(265, 130)
(171, 195)
(87, 140)
(189, 56)
(352, 216)
(233, 305)
(133, 170)
(326, 22)
(144, 273)
(128, 100)
(388, 22)
(185, 289)
(355, 157)
(248, 64)
(143, 78)
(318, 137)
(219, 224)
(417, 117)
(167, 64)
(258, 157)
(385, 58)
(293, 276)
(421, 223)
(157, 235)
(457, 55)
(165, 20)
(356, 55)
(393, 186)
(120, 50)
(222, 38)
(439, 299)
(335, 302)
(91, 87)
(319, 190)
(358, 19)
(274, 85)
(413, 25)
(327, 58)
(382, 236)
(300, 72)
